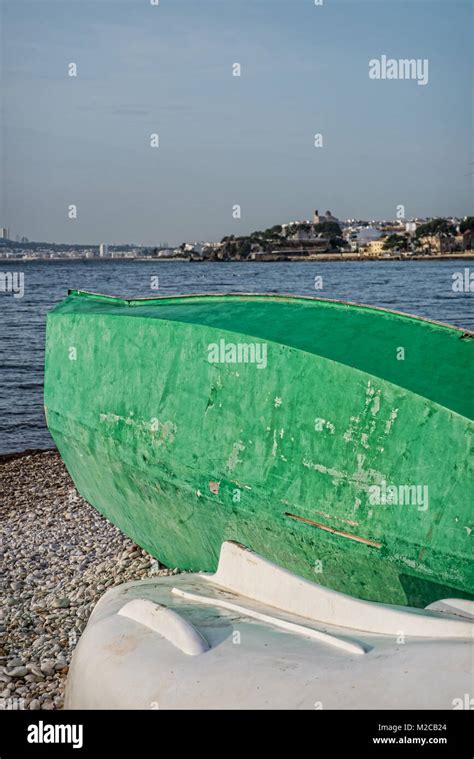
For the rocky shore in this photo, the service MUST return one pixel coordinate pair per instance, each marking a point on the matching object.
(57, 557)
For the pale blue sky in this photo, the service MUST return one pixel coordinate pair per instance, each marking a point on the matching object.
(227, 140)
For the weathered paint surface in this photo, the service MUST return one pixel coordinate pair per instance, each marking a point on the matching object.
(183, 454)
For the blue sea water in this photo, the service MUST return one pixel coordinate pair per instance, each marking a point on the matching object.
(424, 288)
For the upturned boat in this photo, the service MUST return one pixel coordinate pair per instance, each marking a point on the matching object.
(255, 636)
(333, 439)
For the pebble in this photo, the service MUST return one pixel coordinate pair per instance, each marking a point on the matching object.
(17, 672)
(14, 663)
(61, 603)
(60, 555)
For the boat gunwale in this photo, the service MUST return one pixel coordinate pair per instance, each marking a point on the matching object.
(275, 296)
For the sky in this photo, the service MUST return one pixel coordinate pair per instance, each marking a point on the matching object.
(224, 140)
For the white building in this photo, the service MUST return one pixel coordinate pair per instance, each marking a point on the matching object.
(103, 250)
(358, 236)
(303, 233)
(368, 234)
(195, 247)
(4, 233)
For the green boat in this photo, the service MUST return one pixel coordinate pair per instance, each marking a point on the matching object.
(331, 438)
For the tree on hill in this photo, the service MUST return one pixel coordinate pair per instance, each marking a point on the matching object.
(328, 229)
(467, 224)
(336, 242)
(272, 232)
(398, 242)
(435, 227)
(243, 248)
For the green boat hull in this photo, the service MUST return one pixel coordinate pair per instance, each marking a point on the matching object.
(333, 439)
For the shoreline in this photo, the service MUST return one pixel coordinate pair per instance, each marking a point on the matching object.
(264, 259)
(13, 455)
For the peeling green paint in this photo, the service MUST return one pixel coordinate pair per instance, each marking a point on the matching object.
(158, 439)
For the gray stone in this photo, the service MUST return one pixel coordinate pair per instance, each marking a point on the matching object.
(61, 603)
(17, 672)
(14, 663)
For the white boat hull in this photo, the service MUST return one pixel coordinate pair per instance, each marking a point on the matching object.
(255, 636)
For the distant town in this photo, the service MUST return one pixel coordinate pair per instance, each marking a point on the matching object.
(323, 237)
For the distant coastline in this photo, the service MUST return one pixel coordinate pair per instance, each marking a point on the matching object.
(268, 258)
(322, 238)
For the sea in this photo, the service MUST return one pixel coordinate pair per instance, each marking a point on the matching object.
(429, 288)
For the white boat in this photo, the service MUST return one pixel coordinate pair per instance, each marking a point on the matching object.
(255, 636)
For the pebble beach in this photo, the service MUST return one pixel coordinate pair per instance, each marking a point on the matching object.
(58, 555)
